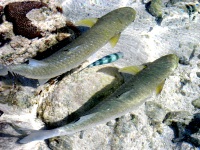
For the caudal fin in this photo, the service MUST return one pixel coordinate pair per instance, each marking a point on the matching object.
(39, 136)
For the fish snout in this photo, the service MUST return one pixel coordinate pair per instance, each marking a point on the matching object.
(173, 60)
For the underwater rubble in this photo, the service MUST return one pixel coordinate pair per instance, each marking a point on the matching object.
(184, 130)
(16, 13)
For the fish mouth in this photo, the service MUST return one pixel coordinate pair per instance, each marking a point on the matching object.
(174, 59)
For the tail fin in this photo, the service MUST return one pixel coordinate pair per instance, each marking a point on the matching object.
(3, 70)
(39, 136)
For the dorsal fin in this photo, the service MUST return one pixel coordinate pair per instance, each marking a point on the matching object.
(87, 22)
(132, 69)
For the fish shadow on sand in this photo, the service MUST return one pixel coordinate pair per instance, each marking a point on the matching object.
(12, 80)
(75, 32)
(183, 132)
(12, 130)
(93, 101)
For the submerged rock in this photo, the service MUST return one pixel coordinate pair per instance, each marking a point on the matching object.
(76, 94)
(185, 126)
(21, 97)
(177, 116)
(79, 91)
(4, 38)
(154, 7)
(176, 1)
(60, 143)
(16, 13)
(1, 14)
(196, 103)
(156, 114)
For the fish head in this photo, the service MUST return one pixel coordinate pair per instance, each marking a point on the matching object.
(119, 18)
(167, 63)
(173, 60)
(126, 15)
(170, 61)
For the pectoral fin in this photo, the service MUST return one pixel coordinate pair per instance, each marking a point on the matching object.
(87, 22)
(160, 87)
(132, 69)
(113, 41)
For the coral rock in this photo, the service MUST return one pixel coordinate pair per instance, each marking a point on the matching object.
(4, 38)
(1, 14)
(16, 13)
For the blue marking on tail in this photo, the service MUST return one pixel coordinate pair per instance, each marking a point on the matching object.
(107, 59)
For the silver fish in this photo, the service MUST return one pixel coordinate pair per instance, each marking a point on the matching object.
(125, 99)
(75, 53)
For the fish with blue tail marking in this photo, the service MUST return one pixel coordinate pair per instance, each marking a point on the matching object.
(75, 53)
(106, 59)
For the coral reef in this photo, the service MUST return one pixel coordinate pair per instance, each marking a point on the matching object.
(54, 27)
(16, 13)
(103, 82)
(4, 39)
